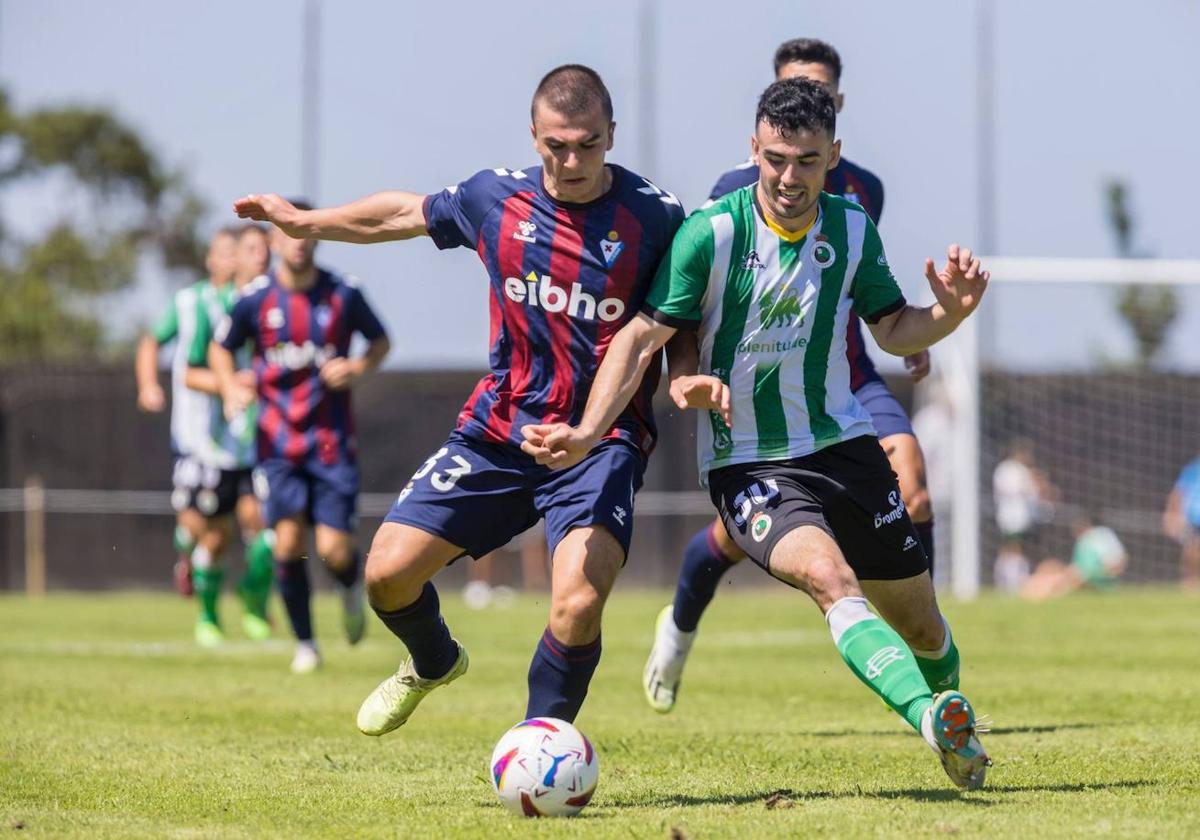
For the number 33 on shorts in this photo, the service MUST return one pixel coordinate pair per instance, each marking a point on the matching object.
(449, 471)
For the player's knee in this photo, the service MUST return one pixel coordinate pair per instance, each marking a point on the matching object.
(828, 575)
(929, 633)
(577, 611)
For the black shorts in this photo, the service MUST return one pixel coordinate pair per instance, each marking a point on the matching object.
(206, 489)
(848, 490)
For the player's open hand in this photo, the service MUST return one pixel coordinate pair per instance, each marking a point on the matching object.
(960, 284)
(703, 392)
(272, 208)
(556, 445)
(339, 373)
(918, 365)
(151, 399)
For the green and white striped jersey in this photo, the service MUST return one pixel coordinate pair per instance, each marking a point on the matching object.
(231, 444)
(771, 309)
(190, 410)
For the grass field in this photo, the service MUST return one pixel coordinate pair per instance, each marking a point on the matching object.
(113, 725)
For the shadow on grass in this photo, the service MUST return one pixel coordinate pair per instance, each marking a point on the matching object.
(789, 798)
(999, 730)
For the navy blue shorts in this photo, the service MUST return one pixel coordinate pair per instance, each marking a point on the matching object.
(479, 495)
(887, 415)
(325, 494)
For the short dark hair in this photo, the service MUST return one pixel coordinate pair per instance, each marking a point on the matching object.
(248, 228)
(226, 230)
(808, 51)
(797, 104)
(572, 90)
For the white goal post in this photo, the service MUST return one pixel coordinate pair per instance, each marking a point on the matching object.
(962, 362)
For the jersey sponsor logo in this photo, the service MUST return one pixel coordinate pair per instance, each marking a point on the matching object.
(299, 356)
(525, 231)
(892, 515)
(784, 310)
(760, 526)
(611, 247)
(881, 659)
(756, 495)
(541, 292)
(751, 262)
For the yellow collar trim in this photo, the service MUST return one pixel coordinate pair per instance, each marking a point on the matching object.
(788, 235)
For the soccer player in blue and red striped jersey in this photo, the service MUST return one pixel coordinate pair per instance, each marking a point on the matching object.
(299, 320)
(711, 552)
(570, 247)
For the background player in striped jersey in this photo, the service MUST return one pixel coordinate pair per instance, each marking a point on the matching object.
(300, 319)
(189, 409)
(768, 277)
(570, 248)
(235, 444)
(711, 552)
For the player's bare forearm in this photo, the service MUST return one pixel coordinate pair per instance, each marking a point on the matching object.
(913, 329)
(381, 217)
(145, 366)
(220, 365)
(203, 380)
(376, 352)
(621, 372)
(683, 355)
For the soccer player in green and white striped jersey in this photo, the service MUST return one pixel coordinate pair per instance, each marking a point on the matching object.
(189, 409)
(767, 277)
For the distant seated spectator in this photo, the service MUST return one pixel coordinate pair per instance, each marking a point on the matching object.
(1181, 522)
(1097, 561)
(1023, 498)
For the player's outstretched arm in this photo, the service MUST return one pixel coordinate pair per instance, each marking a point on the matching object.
(558, 445)
(958, 287)
(381, 217)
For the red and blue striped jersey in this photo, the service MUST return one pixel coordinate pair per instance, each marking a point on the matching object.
(292, 335)
(564, 278)
(856, 184)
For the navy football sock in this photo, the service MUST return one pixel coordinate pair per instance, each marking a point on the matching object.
(294, 588)
(559, 676)
(347, 576)
(925, 535)
(703, 567)
(421, 627)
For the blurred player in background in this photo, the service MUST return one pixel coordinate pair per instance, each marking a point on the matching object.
(189, 409)
(570, 247)
(1097, 562)
(711, 552)
(299, 320)
(768, 277)
(1181, 521)
(236, 448)
(1023, 498)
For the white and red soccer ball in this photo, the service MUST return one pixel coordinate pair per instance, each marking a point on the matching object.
(544, 767)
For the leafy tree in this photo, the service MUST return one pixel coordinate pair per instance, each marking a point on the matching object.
(1149, 310)
(126, 209)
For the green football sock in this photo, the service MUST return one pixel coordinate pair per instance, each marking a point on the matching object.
(255, 586)
(206, 578)
(940, 667)
(878, 656)
(184, 542)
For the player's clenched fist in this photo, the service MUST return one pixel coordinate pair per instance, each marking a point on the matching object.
(702, 392)
(272, 208)
(556, 445)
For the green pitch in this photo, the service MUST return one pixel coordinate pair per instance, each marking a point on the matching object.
(113, 725)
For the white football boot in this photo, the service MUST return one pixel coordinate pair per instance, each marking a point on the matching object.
(949, 728)
(389, 706)
(664, 668)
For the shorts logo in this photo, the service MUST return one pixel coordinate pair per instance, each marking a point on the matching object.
(206, 502)
(883, 657)
(619, 514)
(894, 514)
(909, 543)
(757, 494)
(823, 254)
(760, 526)
(526, 231)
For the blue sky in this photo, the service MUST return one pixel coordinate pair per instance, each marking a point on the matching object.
(417, 96)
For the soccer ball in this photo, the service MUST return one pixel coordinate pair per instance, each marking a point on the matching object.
(544, 767)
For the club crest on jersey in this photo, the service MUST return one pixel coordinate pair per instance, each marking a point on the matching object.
(274, 318)
(852, 195)
(323, 315)
(823, 253)
(525, 231)
(611, 247)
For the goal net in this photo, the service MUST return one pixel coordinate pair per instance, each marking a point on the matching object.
(1072, 397)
